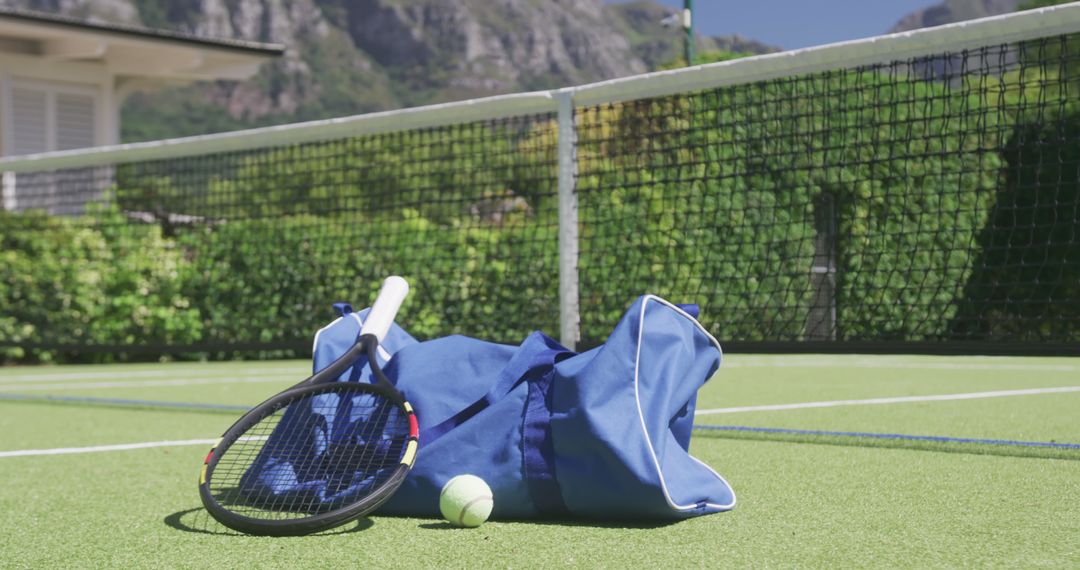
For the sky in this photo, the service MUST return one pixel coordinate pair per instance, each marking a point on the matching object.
(799, 23)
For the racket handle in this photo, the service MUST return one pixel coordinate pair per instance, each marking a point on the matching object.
(386, 306)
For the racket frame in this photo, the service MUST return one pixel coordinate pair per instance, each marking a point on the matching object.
(325, 380)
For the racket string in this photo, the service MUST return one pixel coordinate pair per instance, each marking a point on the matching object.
(317, 453)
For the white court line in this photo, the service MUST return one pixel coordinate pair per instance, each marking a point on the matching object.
(733, 362)
(118, 447)
(803, 405)
(147, 383)
(897, 400)
(100, 448)
(137, 374)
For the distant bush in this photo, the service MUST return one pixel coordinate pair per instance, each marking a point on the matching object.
(703, 58)
(1026, 284)
(268, 280)
(715, 197)
(91, 281)
(710, 198)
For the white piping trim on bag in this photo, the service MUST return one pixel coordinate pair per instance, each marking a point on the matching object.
(641, 416)
(382, 351)
(315, 343)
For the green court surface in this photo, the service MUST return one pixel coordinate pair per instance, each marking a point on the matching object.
(824, 453)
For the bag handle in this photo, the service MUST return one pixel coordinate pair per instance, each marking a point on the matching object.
(537, 356)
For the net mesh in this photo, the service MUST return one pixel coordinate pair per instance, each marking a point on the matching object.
(248, 250)
(919, 200)
(313, 454)
(932, 199)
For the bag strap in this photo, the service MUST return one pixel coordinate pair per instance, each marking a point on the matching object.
(691, 309)
(538, 447)
(536, 357)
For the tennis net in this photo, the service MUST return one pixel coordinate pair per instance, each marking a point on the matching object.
(913, 192)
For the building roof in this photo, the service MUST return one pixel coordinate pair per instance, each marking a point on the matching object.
(131, 53)
(140, 32)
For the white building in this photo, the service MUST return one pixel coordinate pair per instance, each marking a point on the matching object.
(63, 80)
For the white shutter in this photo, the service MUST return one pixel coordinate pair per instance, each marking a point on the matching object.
(74, 121)
(29, 121)
(48, 116)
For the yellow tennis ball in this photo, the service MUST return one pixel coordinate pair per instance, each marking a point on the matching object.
(466, 500)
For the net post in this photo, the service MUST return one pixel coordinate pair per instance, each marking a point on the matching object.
(688, 29)
(821, 318)
(569, 316)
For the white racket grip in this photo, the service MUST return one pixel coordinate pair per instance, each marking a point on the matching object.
(386, 306)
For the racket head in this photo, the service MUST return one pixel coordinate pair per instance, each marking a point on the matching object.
(311, 458)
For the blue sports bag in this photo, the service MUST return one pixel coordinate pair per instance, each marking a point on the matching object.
(603, 434)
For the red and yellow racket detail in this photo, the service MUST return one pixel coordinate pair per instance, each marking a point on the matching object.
(414, 435)
(202, 472)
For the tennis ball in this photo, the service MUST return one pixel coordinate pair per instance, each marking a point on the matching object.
(466, 501)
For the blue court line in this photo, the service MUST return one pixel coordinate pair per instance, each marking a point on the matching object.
(124, 402)
(704, 427)
(933, 438)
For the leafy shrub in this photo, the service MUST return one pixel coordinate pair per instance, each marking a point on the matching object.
(711, 199)
(1026, 285)
(92, 281)
(720, 197)
(273, 280)
(50, 281)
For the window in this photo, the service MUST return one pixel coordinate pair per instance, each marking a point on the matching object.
(42, 116)
(29, 122)
(47, 116)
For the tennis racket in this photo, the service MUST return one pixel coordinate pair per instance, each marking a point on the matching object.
(321, 453)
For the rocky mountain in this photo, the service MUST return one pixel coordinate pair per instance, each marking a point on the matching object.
(354, 56)
(951, 11)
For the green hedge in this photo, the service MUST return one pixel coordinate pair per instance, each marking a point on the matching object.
(438, 173)
(711, 199)
(1027, 283)
(267, 280)
(101, 280)
(92, 281)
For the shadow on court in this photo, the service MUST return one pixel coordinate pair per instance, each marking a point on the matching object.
(564, 522)
(199, 521)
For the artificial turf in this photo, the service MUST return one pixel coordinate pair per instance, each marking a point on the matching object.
(810, 502)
